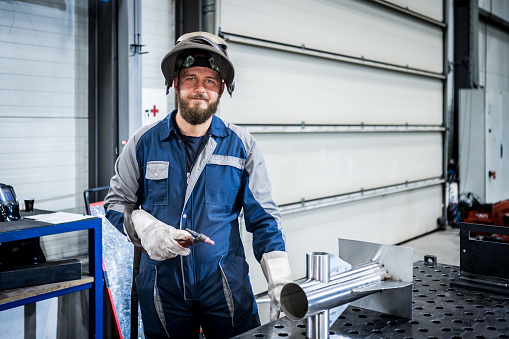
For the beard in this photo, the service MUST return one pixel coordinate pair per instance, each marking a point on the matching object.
(195, 115)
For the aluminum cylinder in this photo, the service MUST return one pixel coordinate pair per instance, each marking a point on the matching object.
(300, 302)
(318, 266)
(318, 269)
(317, 326)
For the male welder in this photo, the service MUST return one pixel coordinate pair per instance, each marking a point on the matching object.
(195, 171)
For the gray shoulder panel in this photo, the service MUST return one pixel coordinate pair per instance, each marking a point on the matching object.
(259, 182)
(124, 184)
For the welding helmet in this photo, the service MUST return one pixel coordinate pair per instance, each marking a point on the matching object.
(181, 56)
(9, 206)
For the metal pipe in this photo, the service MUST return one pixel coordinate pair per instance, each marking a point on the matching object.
(356, 196)
(317, 326)
(300, 302)
(354, 272)
(230, 37)
(209, 16)
(318, 268)
(362, 128)
(411, 13)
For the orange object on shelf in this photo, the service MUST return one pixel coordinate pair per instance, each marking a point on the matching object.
(501, 213)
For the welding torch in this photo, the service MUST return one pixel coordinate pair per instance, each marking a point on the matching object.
(195, 238)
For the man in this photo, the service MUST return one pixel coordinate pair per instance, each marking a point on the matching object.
(192, 170)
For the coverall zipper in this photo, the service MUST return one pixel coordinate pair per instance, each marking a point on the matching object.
(188, 175)
(182, 220)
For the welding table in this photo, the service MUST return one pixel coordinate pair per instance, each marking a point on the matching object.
(439, 311)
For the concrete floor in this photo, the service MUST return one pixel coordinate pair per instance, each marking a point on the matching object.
(445, 245)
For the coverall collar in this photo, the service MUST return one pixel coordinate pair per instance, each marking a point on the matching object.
(217, 127)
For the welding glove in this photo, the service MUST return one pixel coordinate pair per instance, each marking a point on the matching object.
(276, 268)
(159, 240)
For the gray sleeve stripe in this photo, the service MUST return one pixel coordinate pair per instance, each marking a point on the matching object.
(117, 208)
(259, 182)
(227, 161)
(124, 184)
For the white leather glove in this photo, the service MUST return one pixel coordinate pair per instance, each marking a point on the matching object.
(276, 268)
(157, 238)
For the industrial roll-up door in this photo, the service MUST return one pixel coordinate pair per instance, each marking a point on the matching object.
(44, 101)
(345, 99)
(44, 131)
(493, 44)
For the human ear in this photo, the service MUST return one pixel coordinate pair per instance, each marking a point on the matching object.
(221, 89)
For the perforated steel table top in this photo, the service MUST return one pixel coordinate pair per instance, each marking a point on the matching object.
(439, 311)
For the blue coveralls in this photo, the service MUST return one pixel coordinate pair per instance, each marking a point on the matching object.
(210, 287)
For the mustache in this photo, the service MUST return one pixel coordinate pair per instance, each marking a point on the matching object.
(198, 96)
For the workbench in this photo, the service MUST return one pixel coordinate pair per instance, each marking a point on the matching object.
(28, 228)
(440, 310)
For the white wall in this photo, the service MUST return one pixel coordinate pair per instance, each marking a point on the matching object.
(158, 36)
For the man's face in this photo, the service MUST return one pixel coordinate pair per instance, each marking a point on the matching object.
(198, 92)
